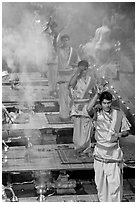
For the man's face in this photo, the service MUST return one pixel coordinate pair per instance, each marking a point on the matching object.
(106, 105)
(65, 42)
(83, 70)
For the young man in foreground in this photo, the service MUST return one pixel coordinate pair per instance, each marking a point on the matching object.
(110, 125)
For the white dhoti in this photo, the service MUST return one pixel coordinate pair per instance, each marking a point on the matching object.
(109, 181)
(64, 100)
(82, 133)
(52, 76)
(82, 121)
(108, 163)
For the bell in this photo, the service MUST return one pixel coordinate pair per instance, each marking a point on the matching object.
(4, 196)
(41, 198)
(6, 147)
(14, 199)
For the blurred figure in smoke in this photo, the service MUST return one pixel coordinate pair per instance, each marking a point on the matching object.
(103, 44)
(101, 51)
(51, 29)
(67, 61)
(67, 56)
(100, 46)
(53, 34)
(118, 30)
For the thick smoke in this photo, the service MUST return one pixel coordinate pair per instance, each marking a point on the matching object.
(22, 24)
(23, 43)
(79, 20)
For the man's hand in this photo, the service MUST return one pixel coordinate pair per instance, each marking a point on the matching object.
(122, 134)
(100, 88)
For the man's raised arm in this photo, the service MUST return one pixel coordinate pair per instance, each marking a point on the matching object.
(92, 103)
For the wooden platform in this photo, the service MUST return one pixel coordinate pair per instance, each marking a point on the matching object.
(37, 121)
(25, 77)
(65, 198)
(25, 93)
(76, 198)
(46, 157)
(40, 157)
(87, 193)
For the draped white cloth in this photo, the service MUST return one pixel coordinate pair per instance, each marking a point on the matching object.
(82, 122)
(109, 176)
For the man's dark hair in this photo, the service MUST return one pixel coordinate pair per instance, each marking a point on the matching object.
(105, 95)
(83, 63)
(65, 36)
